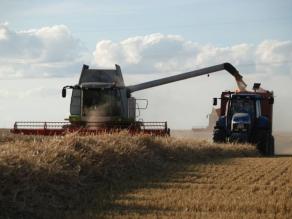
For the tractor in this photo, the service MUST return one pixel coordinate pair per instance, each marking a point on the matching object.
(246, 117)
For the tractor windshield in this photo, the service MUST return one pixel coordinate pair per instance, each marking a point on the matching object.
(101, 102)
(242, 105)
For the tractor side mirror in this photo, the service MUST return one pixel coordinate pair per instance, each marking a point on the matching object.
(215, 101)
(271, 100)
(64, 92)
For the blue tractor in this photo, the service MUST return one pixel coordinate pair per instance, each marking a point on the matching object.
(246, 117)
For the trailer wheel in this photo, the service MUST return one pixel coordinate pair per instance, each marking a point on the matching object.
(219, 136)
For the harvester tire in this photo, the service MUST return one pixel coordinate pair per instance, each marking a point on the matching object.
(219, 136)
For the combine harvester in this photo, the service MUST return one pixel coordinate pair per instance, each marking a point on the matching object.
(101, 102)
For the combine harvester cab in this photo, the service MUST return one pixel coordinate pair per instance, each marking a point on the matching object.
(246, 116)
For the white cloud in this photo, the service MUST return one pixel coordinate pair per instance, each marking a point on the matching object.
(158, 53)
(54, 52)
(44, 52)
(278, 55)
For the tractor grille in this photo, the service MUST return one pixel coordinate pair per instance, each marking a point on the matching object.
(239, 127)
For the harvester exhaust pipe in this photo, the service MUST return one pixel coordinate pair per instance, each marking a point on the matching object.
(225, 66)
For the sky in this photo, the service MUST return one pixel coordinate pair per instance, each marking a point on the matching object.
(43, 45)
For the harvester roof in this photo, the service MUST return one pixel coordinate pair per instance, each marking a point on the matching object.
(101, 76)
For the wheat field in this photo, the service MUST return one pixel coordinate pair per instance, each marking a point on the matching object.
(122, 176)
(238, 188)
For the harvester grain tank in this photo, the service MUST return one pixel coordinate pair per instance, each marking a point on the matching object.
(246, 117)
(101, 102)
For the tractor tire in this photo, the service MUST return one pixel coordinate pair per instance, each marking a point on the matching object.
(261, 140)
(219, 136)
(265, 142)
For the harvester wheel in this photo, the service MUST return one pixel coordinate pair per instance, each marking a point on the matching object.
(219, 136)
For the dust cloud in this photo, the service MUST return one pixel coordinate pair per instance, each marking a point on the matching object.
(94, 116)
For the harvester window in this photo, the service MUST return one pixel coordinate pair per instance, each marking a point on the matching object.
(101, 102)
(75, 102)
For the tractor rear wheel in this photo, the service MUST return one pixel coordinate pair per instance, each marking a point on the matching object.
(219, 136)
(265, 142)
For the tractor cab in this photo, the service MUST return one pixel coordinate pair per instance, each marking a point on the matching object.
(242, 112)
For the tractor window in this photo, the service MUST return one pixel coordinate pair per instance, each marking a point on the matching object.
(101, 102)
(258, 109)
(242, 106)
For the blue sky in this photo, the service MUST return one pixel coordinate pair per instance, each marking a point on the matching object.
(224, 22)
(43, 45)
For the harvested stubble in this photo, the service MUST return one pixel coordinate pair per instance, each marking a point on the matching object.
(72, 175)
